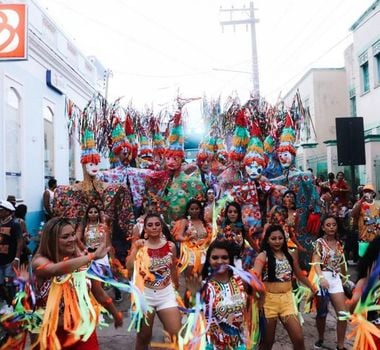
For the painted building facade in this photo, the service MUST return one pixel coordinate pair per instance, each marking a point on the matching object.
(362, 61)
(323, 94)
(34, 139)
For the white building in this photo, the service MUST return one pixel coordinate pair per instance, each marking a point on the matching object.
(34, 138)
(362, 61)
(324, 97)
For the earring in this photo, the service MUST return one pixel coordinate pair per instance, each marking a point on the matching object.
(145, 236)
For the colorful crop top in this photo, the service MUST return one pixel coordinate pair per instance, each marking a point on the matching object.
(229, 301)
(161, 260)
(283, 271)
(331, 259)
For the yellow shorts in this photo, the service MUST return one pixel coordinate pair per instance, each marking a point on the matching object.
(279, 305)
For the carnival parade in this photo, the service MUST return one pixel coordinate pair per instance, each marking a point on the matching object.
(211, 221)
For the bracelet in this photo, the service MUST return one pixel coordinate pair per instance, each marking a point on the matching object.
(91, 256)
(17, 259)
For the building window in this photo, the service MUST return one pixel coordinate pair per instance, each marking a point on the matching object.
(13, 144)
(364, 72)
(353, 106)
(48, 143)
(377, 68)
(365, 76)
(376, 56)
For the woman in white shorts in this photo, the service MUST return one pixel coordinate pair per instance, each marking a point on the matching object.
(328, 257)
(159, 281)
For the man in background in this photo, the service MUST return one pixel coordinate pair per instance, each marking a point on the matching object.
(47, 199)
(10, 250)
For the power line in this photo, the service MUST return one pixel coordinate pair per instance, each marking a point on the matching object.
(301, 71)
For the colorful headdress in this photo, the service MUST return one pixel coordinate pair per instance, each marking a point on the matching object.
(221, 150)
(287, 137)
(119, 140)
(255, 149)
(89, 152)
(206, 149)
(130, 135)
(269, 144)
(158, 141)
(145, 148)
(176, 138)
(241, 137)
(113, 160)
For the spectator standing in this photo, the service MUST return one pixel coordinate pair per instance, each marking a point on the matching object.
(367, 212)
(10, 250)
(19, 216)
(330, 182)
(48, 197)
(341, 190)
(12, 199)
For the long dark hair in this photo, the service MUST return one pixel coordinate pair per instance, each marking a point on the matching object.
(323, 220)
(294, 196)
(237, 249)
(226, 220)
(217, 244)
(271, 259)
(369, 258)
(85, 220)
(201, 209)
(165, 228)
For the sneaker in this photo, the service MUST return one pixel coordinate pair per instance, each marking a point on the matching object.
(318, 344)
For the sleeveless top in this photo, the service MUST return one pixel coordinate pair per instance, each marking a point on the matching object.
(161, 260)
(283, 272)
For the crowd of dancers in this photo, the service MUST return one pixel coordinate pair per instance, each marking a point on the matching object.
(220, 248)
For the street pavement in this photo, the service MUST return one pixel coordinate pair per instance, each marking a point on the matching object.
(117, 339)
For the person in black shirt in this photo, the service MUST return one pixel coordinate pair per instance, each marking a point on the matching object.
(10, 250)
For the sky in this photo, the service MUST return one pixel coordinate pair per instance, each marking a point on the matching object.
(159, 49)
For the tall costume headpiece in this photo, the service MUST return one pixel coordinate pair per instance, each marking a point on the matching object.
(287, 137)
(255, 149)
(158, 141)
(89, 152)
(206, 149)
(176, 138)
(145, 148)
(241, 137)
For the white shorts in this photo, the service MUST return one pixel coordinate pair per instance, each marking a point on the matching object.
(160, 299)
(335, 283)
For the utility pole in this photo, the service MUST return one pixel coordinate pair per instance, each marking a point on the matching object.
(252, 22)
(107, 74)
